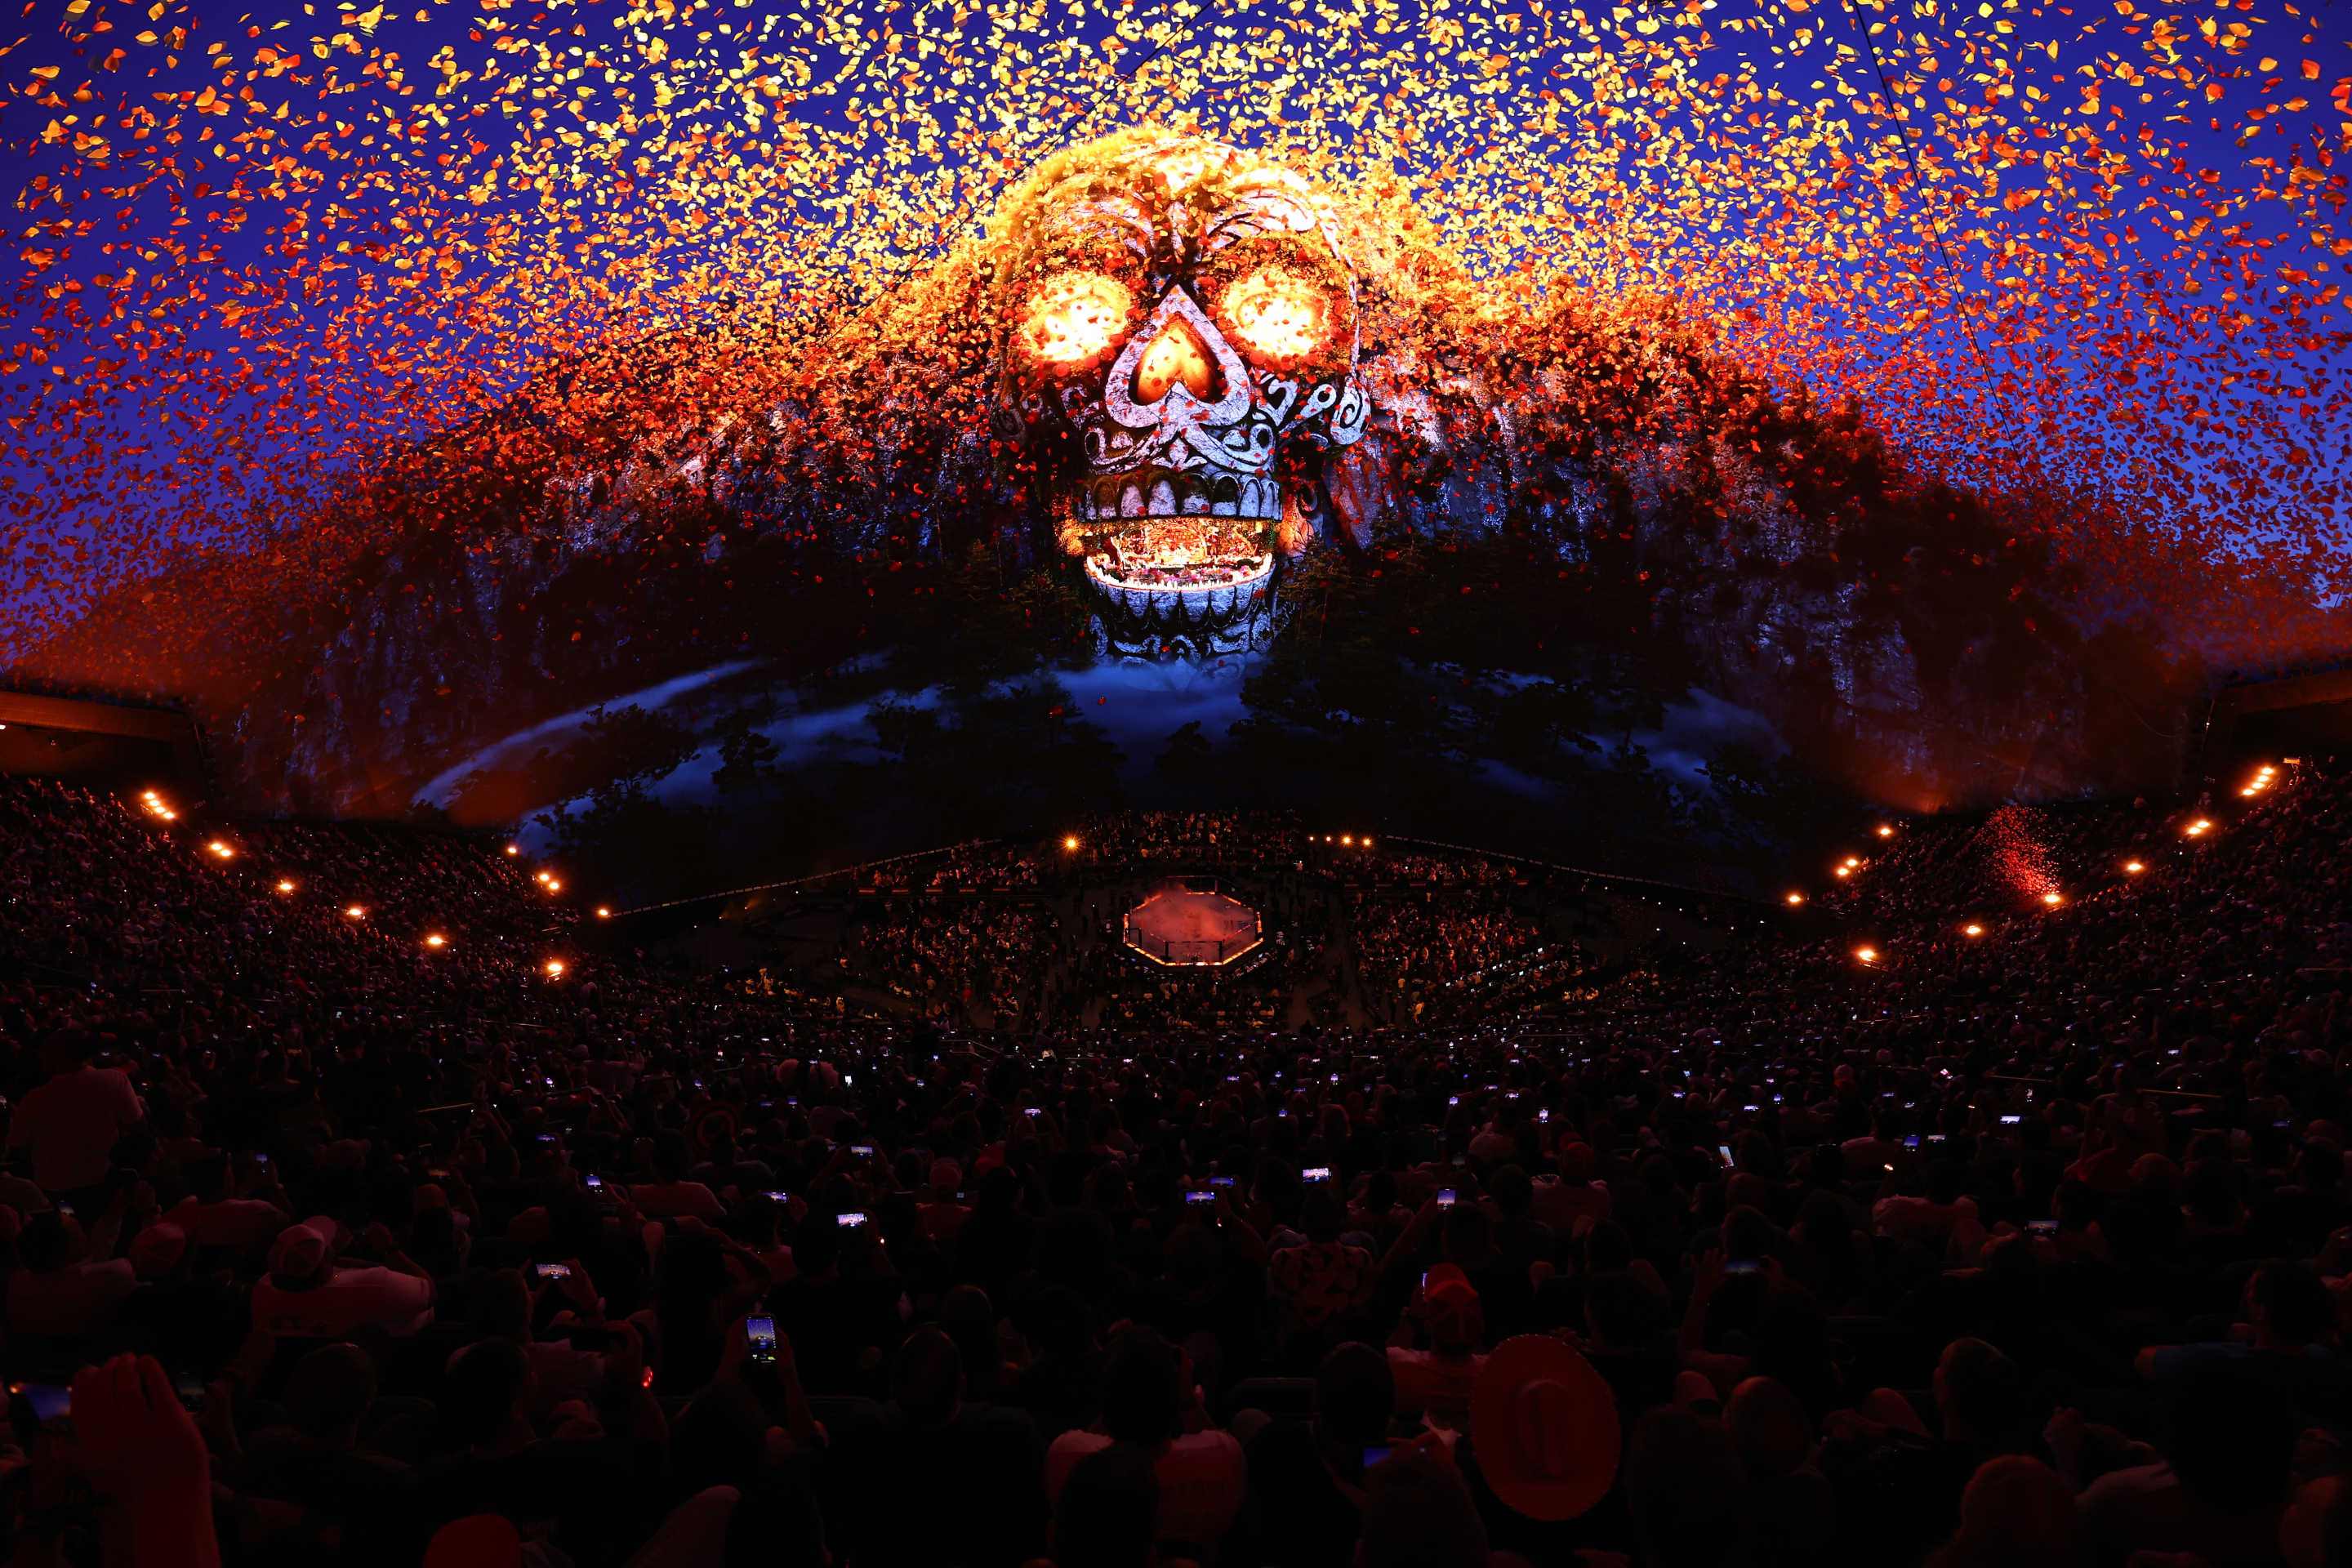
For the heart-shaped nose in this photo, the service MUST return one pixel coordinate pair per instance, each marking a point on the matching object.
(1178, 356)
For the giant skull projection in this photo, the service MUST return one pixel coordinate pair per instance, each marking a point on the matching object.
(1195, 363)
(1176, 330)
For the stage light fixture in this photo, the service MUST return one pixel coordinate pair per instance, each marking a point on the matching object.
(1972, 930)
(1867, 954)
(284, 886)
(603, 913)
(1071, 842)
(436, 940)
(2198, 829)
(1796, 898)
(1884, 831)
(554, 966)
(221, 849)
(356, 912)
(2053, 900)
(2134, 867)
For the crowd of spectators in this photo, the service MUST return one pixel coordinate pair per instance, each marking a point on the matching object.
(1390, 867)
(1438, 956)
(1149, 840)
(1897, 1242)
(947, 955)
(987, 867)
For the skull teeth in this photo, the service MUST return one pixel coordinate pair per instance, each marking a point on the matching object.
(1181, 495)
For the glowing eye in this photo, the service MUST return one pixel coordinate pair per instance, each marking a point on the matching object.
(1074, 317)
(1278, 314)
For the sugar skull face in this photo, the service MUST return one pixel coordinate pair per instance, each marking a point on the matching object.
(1181, 318)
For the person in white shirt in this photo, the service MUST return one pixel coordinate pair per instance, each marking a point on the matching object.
(61, 1291)
(71, 1123)
(669, 1195)
(306, 1296)
(1203, 1476)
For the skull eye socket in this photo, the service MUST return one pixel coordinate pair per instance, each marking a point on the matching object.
(1278, 314)
(1074, 317)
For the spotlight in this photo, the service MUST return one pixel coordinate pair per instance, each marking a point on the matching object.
(514, 848)
(1368, 844)
(554, 966)
(2197, 828)
(1346, 838)
(356, 912)
(221, 849)
(603, 913)
(1884, 831)
(1796, 898)
(1867, 954)
(1071, 842)
(553, 886)
(2053, 900)
(2134, 867)
(436, 940)
(1972, 930)
(1843, 870)
(285, 887)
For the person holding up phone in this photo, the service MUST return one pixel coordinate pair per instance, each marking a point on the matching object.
(1436, 1374)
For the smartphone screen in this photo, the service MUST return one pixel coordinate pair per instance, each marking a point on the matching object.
(1445, 1197)
(1221, 1181)
(2042, 1227)
(2011, 1120)
(1743, 1269)
(761, 1333)
(1374, 1456)
(850, 1220)
(1724, 1150)
(1316, 1173)
(780, 1195)
(595, 1184)
(555, 1271)
(863, 1150)
(1199, 1197)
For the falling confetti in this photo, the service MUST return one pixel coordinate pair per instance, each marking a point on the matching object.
(280, 279)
